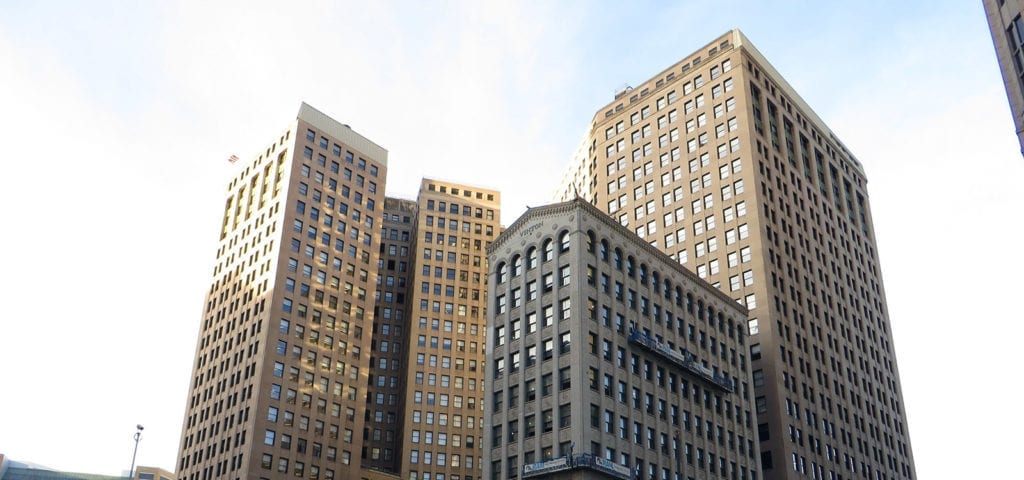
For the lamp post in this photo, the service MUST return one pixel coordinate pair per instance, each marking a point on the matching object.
(138, 434)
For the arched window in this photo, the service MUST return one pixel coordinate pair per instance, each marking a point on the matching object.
(617, 259)
(604, 250)
(563, 242)
(502, 272)
(630, 266)
(517, 266)
(643, 273)
(549, 250)
(700, 309)
(531, 258)
(679, 297)
(590, 241)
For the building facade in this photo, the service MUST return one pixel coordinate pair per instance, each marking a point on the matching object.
(608, 358)
(282, 360)
(385, 392)
(444, 377)
(1007, 27)
(719, 163)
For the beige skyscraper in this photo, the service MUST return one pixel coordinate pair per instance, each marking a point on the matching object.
(280, 375)
(719, 163)
(444, 373)
(1007, 26)
(424, 401)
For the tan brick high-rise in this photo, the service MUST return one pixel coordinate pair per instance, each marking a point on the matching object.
(280, 373)
(718, 162)
(444, 375)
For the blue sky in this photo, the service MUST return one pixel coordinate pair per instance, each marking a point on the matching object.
(118, 118)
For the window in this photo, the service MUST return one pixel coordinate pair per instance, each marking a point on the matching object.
(499, 336)
(549, 250)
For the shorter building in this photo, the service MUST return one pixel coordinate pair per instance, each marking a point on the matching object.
(14, 470)
(153, 473)
(606, 358)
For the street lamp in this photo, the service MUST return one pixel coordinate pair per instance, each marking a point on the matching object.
(138, 434)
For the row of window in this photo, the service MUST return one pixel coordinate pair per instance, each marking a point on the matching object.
(449, 291)
(428, 418)
(336, 151)
(518, 359)
(446, 381)
(439, 255)
(324, 259)
(673, 135)
(454, 240)
(453, 208)
(428, 436)
(533, 287)
(670, 97)
(446, 362)
(305, 400)
(453, 224)
(532, 258)
(627, 428)
(315, 338)
(533, 423)
(530, 322)
(440, 459)
(298, 468)
(441, 399)
(547, 387)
